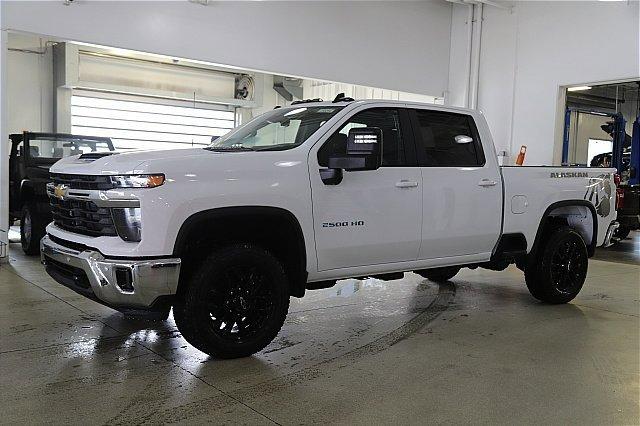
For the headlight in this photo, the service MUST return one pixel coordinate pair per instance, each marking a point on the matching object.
(137, 181)
(128, 223)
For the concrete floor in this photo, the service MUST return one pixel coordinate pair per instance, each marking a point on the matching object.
(476, 350)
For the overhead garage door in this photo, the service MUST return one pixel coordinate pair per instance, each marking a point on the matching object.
(140, 123)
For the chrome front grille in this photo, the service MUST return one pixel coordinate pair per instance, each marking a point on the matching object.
(82, 217)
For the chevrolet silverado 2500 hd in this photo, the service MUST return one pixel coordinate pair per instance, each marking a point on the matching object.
(305, 195)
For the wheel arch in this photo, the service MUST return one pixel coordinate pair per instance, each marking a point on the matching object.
(272, 228)
(567, 210)
(27, 191)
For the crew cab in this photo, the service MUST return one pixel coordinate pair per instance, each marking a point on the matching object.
(31, 156)
(308, 194)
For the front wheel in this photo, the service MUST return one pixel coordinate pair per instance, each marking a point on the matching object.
(32, 229)
(560, 268)
(235, 303)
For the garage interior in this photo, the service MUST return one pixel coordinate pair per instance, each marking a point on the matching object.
(475, 349)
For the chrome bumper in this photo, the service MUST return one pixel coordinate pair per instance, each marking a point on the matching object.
(120, 284)
(609, 235)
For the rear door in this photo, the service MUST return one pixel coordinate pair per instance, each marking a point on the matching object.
(462, 191)
(371, 217)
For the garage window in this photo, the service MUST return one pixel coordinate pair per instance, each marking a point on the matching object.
(133, 124)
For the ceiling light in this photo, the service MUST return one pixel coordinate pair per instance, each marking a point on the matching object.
(578, 88)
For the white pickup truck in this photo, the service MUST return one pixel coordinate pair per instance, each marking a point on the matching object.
(308, 194)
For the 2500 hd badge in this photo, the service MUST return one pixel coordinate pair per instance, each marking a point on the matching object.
(342, 224)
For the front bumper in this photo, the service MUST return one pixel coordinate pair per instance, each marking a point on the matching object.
(125, 285)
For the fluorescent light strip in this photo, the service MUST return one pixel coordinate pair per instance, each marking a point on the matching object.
(578, 88)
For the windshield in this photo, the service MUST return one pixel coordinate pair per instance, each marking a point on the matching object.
(47, 147)
(280, 129)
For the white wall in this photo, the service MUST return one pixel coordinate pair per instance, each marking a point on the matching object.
(329, 90)
(527, 54)
(394, 45)
(29, 85)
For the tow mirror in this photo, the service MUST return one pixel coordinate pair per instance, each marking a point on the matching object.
(364, 146)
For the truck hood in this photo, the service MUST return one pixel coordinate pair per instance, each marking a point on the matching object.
(180, 163)
(132, 162)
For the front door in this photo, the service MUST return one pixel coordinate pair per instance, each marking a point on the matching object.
(371, 217)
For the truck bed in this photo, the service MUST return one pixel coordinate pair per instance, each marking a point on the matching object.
(531, 191)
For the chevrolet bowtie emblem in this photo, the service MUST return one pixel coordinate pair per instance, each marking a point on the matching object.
(60, 191)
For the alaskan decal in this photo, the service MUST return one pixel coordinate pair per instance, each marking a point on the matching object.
(599, 194)
(559, 175)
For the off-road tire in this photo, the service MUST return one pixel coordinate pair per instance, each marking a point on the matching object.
(32, 229)
(559, 269)
(221, 290)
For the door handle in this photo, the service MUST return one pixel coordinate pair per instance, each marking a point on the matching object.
(406, 184)
(487, 182)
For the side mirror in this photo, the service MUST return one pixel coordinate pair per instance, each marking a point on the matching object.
(364, 152)
(364, 147)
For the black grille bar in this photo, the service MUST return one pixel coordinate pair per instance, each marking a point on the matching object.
(82, 217)
(82, 181)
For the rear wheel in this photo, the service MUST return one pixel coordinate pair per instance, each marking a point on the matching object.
(32, 229)
(235, 303)
(560, 268)
(439, 275)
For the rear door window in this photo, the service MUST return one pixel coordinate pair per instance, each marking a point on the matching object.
(447, 139)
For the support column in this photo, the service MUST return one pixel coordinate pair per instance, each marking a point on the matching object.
(4, 150)
(474, 69)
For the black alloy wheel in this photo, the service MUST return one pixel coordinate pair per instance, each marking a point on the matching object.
(559, 268)
(234, 302)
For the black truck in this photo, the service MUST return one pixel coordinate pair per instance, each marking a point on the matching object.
(31, 156)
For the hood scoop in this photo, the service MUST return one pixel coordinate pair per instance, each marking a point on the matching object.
(92, 156)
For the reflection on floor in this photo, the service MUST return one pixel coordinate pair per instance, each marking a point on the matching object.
(625, 251)
(477, 349)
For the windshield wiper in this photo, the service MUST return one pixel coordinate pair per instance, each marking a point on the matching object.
(228, 148)
(277, 147)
